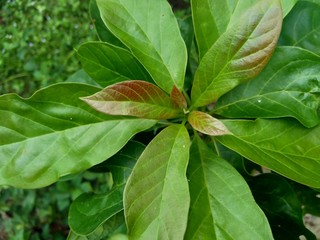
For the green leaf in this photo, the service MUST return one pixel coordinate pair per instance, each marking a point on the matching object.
(282, 145)
(156, 198)
(309, 198)
(134, 98)
(114, 225)
(108, 64)
(150, 30)
(212, 18)
(103, 32)
(89, 210)
(54, 133)
(292, 90)
(207, 124)
(239, 54)
(81, 76)
(222, 206)
(287, 5)
(278, 200)
(301, 27)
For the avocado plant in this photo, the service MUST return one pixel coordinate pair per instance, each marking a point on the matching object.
(206, 117)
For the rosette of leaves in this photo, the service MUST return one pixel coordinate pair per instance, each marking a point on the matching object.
(199, 96)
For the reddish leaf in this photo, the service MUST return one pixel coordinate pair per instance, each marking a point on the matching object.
(178, 98)
(134, 98)
(207, 124)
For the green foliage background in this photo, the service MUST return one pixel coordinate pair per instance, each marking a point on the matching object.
(37, 41)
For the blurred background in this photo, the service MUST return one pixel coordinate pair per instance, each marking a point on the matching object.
(37, 41)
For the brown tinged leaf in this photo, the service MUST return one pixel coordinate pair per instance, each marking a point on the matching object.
(207, 124)
(178, 98)
(134, 98)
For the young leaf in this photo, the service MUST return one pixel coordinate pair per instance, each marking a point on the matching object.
(278, 200)
(53, 134)
(104, 33)
(293, 90)
(222, 206)
(302, 27)
(156, 198)
(207, 124)
(282, 145)
(178, 98)
(89, 210)
(239, 54)
(108, 64)
(134, 98)
(150, 30)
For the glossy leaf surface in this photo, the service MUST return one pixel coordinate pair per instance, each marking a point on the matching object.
(134, 98)
(301, 27)
(278, 200)
(207, 124)
(292, 91)
(239, 54)
(108, 64)
(150, 30)
(89, 211)
(282, 145)
(51, 135)
(103, 32)
(156, 199)
(222, 206)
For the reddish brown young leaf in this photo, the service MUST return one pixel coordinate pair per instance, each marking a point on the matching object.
(134, 98)
(178, 98)
(207, 124)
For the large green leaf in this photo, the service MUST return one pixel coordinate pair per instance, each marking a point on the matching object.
(150, 30)
(222, 206)
(135, 98)
(278, 200)
(89, 211)
(283, 145)
(288, 86)
(239, 54)
(212, 18)
(103, 32)
(156, 198)
(287, 5)
(302, 27)
(108, 64)
(54, 133)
